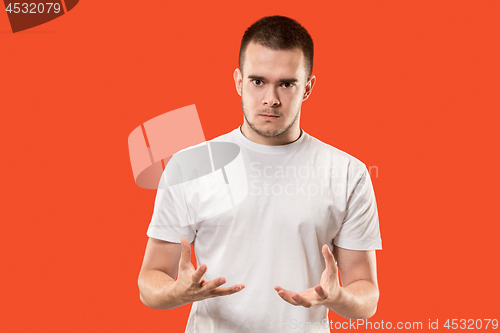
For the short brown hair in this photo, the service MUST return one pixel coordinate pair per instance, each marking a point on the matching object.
(279, 33)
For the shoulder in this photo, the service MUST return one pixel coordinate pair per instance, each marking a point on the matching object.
(227, 137)
(198, 160)
(328, 151)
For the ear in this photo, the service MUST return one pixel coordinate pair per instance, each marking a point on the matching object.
(238, 80)
(309, 86)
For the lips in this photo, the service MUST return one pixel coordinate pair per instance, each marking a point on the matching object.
(268, 116)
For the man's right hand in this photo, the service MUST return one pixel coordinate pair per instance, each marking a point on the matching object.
(191, 286)
(163, 261)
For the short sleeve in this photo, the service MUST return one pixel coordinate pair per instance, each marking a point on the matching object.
(360, 228)
(165, 223)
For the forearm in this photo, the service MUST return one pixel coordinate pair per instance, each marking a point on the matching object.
(358, 300)
(155, 289)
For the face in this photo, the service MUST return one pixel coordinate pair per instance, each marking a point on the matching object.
(272, 87)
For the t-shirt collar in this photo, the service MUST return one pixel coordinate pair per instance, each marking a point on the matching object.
(281, 149)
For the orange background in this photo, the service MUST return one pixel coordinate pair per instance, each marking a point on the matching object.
(411, 87)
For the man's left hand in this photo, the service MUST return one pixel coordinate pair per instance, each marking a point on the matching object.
(327, 292)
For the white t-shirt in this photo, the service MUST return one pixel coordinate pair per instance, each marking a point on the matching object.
(299, 197)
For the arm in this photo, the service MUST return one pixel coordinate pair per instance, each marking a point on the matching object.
(163, 261)
(357, 298)
(158, 272)
(359, 293)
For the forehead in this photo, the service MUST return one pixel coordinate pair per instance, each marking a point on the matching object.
(263, 61)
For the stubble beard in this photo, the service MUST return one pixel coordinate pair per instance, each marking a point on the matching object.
(268, 134)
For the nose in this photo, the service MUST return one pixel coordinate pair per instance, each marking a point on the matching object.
(271, 98)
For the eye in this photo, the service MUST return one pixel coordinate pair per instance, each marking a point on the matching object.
(257, 82)
(287, 85)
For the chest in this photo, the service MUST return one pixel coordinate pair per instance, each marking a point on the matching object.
(281, 197)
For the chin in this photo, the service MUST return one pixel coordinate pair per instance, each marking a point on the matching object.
(270, 132)
(267, 128)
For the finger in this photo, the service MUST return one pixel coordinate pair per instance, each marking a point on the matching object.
(211, 285)
(185, 253)
(286, 295)
(197, 276)
(228, 290)
(301, 300)
(321, 293)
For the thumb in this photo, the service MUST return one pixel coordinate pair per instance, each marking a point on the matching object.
(329, 259)
(185, 259)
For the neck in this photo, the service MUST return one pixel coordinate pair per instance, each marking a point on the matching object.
(291, 135)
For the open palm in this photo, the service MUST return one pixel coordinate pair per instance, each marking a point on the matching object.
(325, 292)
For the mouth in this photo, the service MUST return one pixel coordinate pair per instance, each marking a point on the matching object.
(268, 116)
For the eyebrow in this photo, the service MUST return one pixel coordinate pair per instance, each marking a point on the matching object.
(261, 78)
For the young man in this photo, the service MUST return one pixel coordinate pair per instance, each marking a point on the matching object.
(310, 208)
